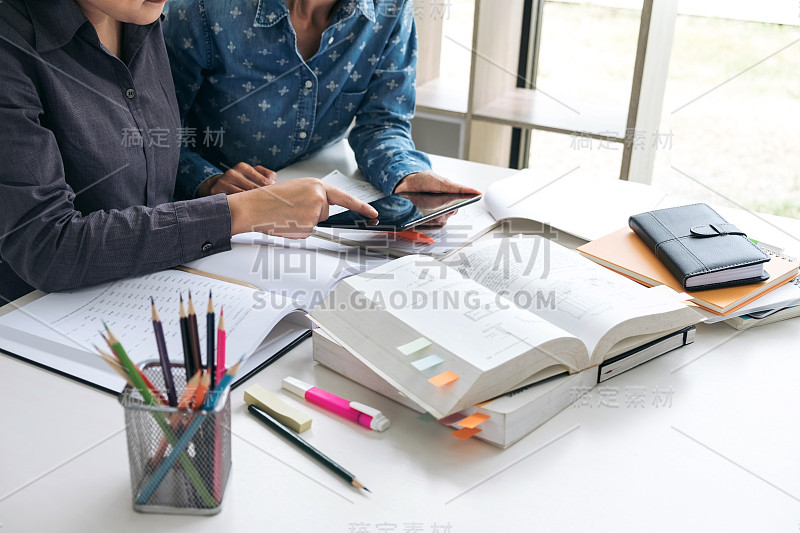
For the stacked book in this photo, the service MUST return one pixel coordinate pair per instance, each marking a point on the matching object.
(498, 338)
(692, 249)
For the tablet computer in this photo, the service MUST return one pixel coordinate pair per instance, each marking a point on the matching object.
(402, 211)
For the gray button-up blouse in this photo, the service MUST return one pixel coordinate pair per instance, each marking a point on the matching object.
(89, 147)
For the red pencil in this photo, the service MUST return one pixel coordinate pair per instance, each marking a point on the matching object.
(221, 336)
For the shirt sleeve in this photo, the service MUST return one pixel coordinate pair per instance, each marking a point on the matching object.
(381, 138)
(186, 35)
(51, 245)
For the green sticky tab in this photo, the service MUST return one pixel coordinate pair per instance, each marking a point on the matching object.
(414, 346)
(426, 417)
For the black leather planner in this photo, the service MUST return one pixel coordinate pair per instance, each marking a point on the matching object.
(700, 248)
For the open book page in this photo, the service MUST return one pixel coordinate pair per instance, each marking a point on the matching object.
(460, 327)
(73, 320)
(596, 305)
(463, 316)
(305, 271)
(467, 224)
(585, 213)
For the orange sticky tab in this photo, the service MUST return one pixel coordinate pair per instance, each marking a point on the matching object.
(444, 378)
(474, 420)
(465, 433)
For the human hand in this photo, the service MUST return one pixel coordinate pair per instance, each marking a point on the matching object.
(289, 209)
(242, 177)
(431, 182)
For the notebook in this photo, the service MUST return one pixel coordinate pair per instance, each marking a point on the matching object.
(265, 288)
(625, 253)
(700, 248)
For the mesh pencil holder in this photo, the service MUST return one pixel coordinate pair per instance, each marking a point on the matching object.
(180, 460)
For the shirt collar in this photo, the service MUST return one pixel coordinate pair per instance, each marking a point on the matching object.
(269, 12)
(367, 8)
(55, 22)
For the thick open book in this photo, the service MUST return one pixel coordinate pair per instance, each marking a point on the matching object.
(492, 318)
(264, 286)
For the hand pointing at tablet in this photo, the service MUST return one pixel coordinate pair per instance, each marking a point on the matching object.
(289, 209)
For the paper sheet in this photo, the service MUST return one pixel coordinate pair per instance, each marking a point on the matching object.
(74, 319)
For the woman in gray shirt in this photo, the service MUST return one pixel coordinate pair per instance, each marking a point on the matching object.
(89, 145)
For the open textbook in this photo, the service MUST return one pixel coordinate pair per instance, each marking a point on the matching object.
(492, 318)
(267, 287)
(521, 196)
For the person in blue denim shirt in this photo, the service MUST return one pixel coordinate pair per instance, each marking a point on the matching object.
(280, 79)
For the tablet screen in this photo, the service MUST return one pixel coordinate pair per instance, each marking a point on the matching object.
(402, 211)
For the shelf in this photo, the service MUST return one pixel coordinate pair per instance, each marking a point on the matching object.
(443, 97)
(527, 108)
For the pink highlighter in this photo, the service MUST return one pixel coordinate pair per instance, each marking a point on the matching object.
(356, 412)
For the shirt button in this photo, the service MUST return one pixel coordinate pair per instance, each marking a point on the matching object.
(330, 41)
(309, 84)
(207, 246)
(130, 93)
(303, 135)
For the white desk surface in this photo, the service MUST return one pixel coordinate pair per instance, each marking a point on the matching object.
(715, 446)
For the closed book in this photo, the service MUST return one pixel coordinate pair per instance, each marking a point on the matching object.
(700, 248)
(510, 416)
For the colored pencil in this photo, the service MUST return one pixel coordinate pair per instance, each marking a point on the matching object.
(160, 400)
(211, 359)
(300, 443)
(194, 336)
(189, 392)
(188, 363)
(221, 339)
(177, 452)
(202, 391)
(113, 363)
(166, 367)
(176, 418)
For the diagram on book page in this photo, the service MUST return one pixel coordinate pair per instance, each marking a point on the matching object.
(560, 286)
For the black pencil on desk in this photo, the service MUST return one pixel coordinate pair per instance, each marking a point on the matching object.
(211, 357)
(166, 368)
(188, 362)
(194, 336)
(289, 435)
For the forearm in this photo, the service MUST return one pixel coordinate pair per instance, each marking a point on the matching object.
(386, 154)
(68, 250)
(381, 138)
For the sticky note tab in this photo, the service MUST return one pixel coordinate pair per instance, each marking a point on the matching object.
(474, 420)
(426, 417)
(414, 346)
(465, 433)
(284, 413)
(445, 378)
(427, 362)
(452, 419)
